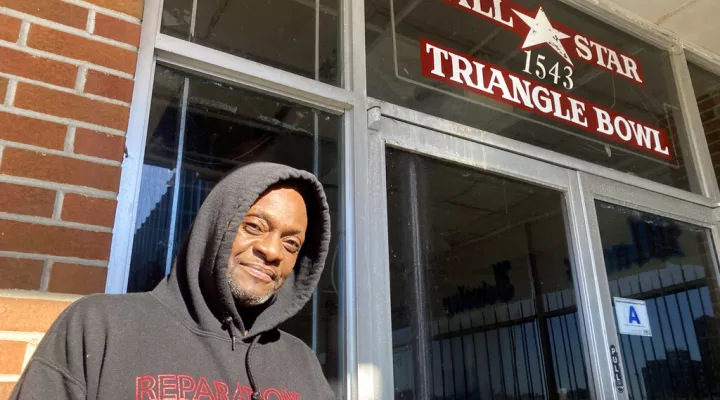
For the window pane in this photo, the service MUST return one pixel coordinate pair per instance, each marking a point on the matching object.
(622, 87)
(227, 126)
(668, 265)
(482, 295)
(300, 36)
(707, 92)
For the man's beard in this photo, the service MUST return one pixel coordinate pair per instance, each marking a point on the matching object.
(242, 297)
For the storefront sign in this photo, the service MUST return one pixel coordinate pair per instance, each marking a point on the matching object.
(537, 29)
(632, 317)
(446, 65)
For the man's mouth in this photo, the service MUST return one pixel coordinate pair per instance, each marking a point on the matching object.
(260, 273)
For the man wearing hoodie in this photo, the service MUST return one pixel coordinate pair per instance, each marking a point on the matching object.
(209, 330)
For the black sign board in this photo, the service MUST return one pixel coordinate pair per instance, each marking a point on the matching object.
(617, 375)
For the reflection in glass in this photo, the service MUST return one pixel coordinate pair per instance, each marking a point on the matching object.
(299, 36)
(394, 75)
(670, 266)
(483, 300)
(707, 93)
(225, 127)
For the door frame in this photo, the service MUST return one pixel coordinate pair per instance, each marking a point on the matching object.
(598, 188)
(376, 343)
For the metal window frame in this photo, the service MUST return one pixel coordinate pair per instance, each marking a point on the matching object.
(349, 100)
(598, 188)
(366, 303)
(512, 145)
(390, 132)
(681, 52)
(472, 149)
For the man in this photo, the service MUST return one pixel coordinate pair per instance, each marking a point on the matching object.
(209, 331)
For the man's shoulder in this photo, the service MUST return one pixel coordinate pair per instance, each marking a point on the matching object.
(295, 343)
(109, 306)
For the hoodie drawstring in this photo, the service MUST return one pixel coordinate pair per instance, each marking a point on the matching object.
(253, 384)
(230, 326)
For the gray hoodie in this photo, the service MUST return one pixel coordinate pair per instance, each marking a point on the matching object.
(186, 339)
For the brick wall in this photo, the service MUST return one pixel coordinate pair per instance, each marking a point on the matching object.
(66, 81)
(709, 105)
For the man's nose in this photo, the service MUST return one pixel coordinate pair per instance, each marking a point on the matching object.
(270, 246)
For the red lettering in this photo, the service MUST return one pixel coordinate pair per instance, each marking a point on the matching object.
(237, 394)
(165, 384)
(187, 387)
(274, 392)
(288, 395)
(221, 390)
(145, 385)
(203, 390)
(247, 390)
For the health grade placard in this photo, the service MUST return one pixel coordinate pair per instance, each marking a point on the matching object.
(632, 317)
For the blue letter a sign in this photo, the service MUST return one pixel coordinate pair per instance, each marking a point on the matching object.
(633, 316)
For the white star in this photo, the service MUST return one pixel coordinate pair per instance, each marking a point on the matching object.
(542, 31)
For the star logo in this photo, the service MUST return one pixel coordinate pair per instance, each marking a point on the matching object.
(542, 31)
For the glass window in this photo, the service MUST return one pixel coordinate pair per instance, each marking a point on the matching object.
(670, 267)
(299, 36)
(707, 92)
(482, 295)
(224, 127)
(571, 84)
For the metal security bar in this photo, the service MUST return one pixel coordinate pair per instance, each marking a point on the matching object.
(499, 354)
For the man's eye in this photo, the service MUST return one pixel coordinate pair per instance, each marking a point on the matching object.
(252, 227)
(292, 246)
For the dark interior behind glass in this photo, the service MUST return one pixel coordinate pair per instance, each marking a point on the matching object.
(293, 35)
(482, 291)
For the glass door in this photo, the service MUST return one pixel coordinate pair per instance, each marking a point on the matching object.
(482, 293)
(659, 286)
(484, 289)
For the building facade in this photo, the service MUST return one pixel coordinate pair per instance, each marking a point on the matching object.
(524, 193)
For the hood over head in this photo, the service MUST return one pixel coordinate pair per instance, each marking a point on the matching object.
(197, 285)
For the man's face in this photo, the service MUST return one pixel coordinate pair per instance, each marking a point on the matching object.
(267, 245)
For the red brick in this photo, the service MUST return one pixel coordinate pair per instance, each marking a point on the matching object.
(37, 68)
(110, 86)
(130, 7)
(14, 314)
(706, 104)
(68, 105)
(80, 48)
(9, 28)
(12, 355)
(18, 199)
(77, 279)
(88, 210)
(54, 10)
(54, 168)
(19, 273)
(99, 144)
(3, 87)
(712, 126)
(16, 128)
(117, 29)
(53, 240)
(6, 389)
